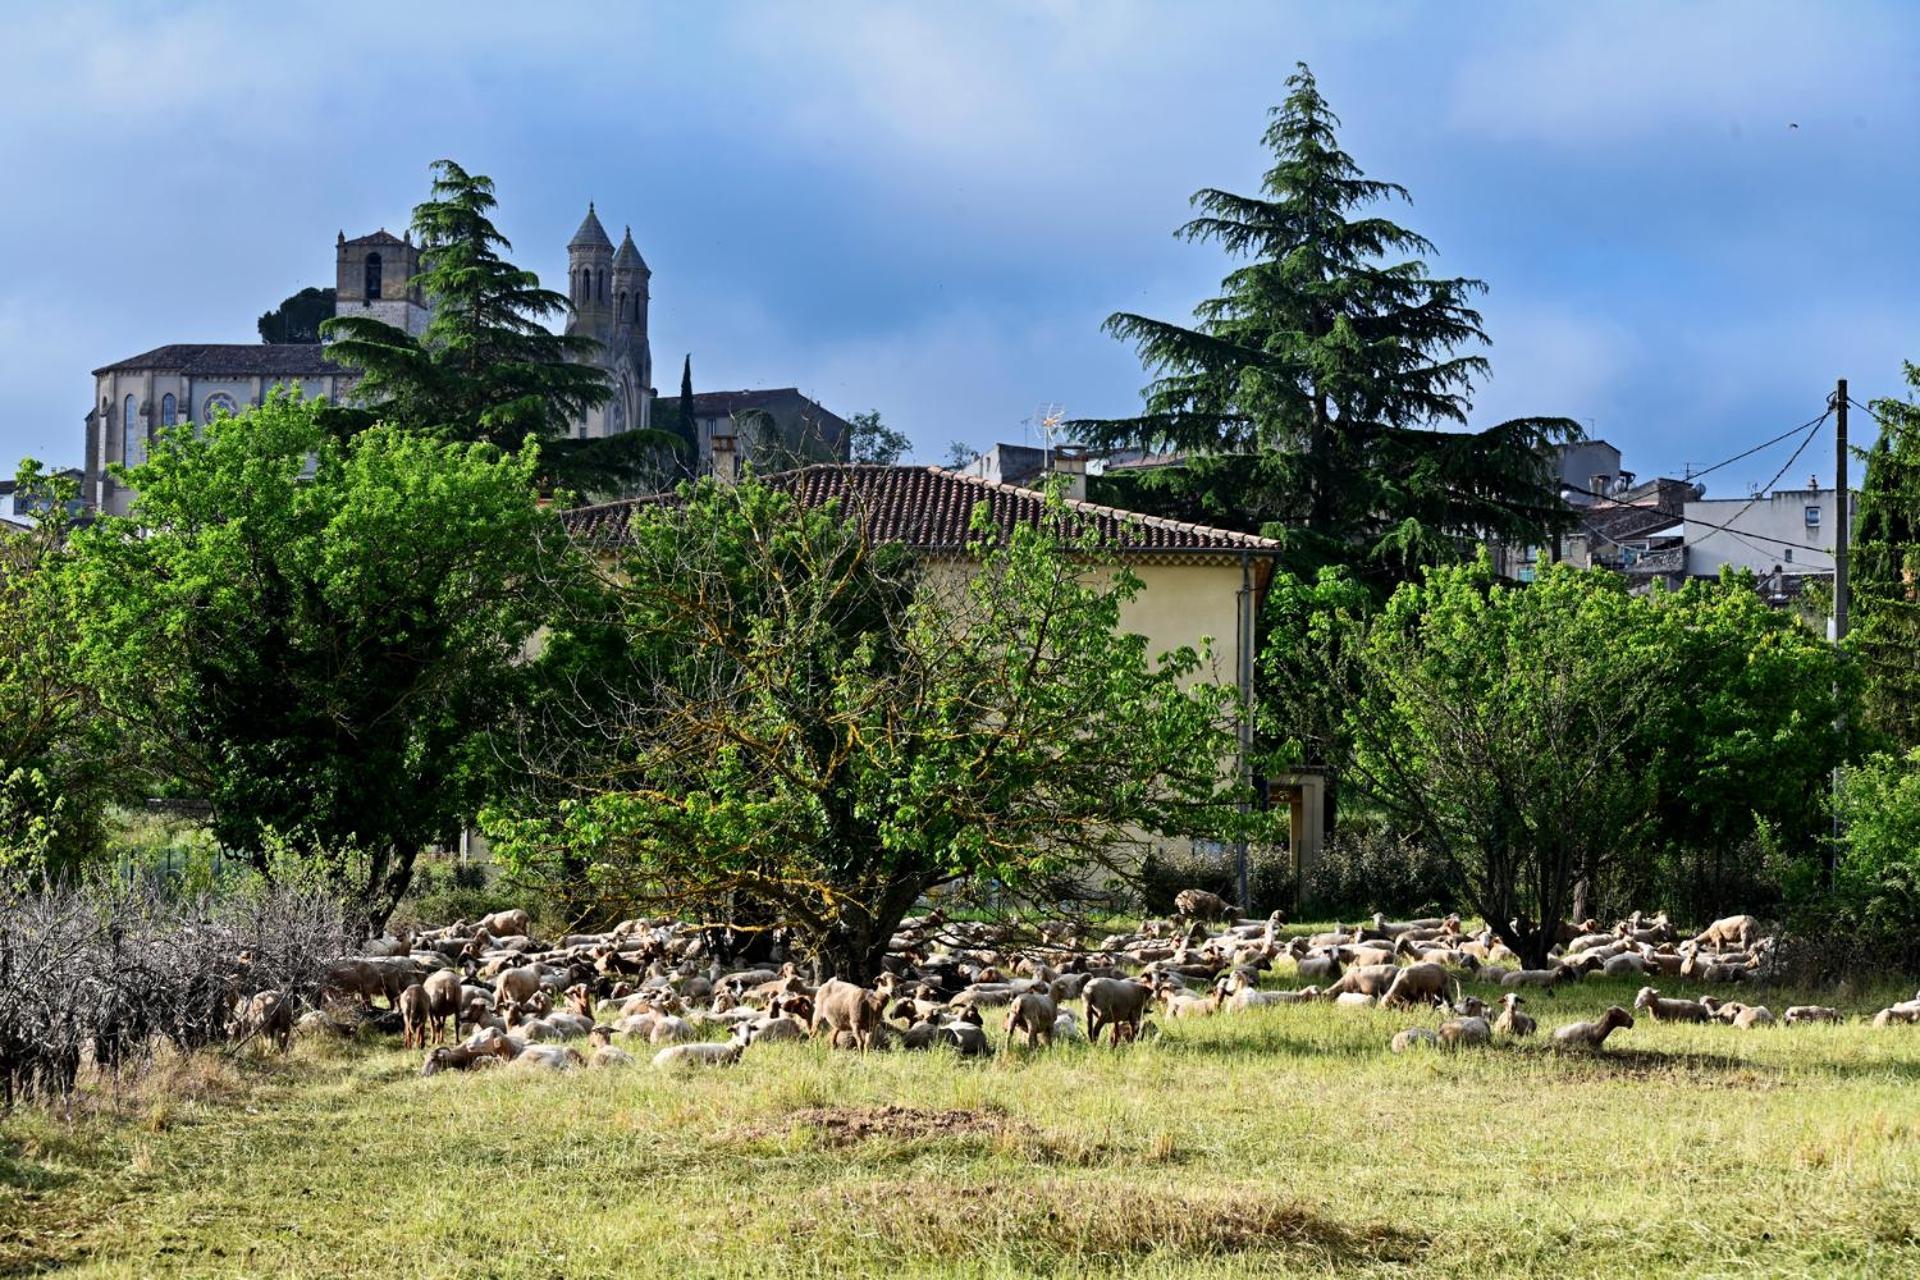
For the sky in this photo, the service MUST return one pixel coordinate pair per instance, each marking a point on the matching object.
(1692, 217)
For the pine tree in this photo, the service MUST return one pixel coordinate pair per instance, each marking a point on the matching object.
(1318, 399)
(1885, 573)
(487, 368)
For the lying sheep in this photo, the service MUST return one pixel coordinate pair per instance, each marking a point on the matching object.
(703, 1054)
(1751, 1016)
(1413, 1038)
(466, 1057)
(1462, 1033)
(1544, 978)
(1662, 1009)
(1512, 1022)
(605, 1054)
(1119, 1003)
(1591, 1035)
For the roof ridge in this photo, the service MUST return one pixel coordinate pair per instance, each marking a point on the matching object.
(1101, 509)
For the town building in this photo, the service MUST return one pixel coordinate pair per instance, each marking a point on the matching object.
(772, 430)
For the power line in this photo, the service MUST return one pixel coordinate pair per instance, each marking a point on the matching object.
(1784, 435)
(1742, 534)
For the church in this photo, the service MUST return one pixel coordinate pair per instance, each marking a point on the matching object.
(607, 293)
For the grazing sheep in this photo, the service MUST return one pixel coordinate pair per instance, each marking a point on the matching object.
(1119, 1003)
(1661, 1009)
(841, 1006)
(354, 977)
(1753, 1015)
(1799, 1013)
(1416, 984)
(1035, 1014)
(1413, 1038)
(1906, 1012)
(415, 1012)
(1198, 904)
(1736, 933)
(1512, 1022)
(444, 998)
(1462, 1033)
(1591, 1035)
(1544, 978)
(268, 1015)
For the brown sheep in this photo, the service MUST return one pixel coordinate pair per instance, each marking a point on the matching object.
(1035, 1014)
(1731, 933)
(520, 983)
(1799, 1013)
(841, 1006)
(1364, 979)
(1661, 1009)
(505, 923)
(268, 1015)
(355, 977)
(1119, 1003)
(1416, 984)
(444, 999)
(1461, 1033)
(415, 1013)
(465, 1057)
(1591, 1035)
(1198, 904)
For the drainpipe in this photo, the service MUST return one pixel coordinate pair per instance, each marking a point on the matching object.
(1244, 674)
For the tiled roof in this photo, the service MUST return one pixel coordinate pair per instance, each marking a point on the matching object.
(930, 509)
(233, 359)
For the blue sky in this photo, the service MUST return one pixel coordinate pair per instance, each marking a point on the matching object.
(929, 208)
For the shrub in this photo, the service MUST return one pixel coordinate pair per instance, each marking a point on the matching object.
(1366, 867)
(1165, 872)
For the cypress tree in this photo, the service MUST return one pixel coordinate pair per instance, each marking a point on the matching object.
(686, 428)
(1885, 573)
(1319, 398)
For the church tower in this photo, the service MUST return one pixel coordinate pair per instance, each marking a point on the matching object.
(373, 276)
(630, 352)
(590, 272)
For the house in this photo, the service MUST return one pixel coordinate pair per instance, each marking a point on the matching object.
(1788, 532)
(1201, 585)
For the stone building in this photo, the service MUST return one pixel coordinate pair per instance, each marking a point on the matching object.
(772, 429)
(608, 290)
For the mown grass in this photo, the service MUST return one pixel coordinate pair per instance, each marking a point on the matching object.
(1283, 1141)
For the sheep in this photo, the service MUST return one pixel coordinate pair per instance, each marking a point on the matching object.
(1751, 1016)
(1368, 980)
(703, 1053)
(968, 1039)
(415, 1012)
(1512, 1022)
(444, 998)
(1352, 1000)
(1461, 1033)
(1181, 1005)
(605, 1053)
(1198, 904)
(842, 1006)
(268, 1015)
(1544, 978)
(519, 983)
(1799, 1013)
(1416, 984)
(1413, 1038)
(1661, 1009)
(505, 923)
(355, 977)
(1731, 933)
(1249, 998)
(1119, 1003)
(1067, 1027)
(1591, 1035)
(1034, 1013)
(778, 1029)
(548, 1057)
(1324, 967)
(1906, 1012)
(466, 1057)
(670, 1030)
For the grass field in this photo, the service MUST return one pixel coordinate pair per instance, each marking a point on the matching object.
(1284, 1141)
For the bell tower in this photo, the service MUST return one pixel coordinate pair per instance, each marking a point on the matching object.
(590, 281)
(373, 276)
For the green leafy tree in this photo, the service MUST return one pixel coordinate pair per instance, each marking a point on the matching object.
(59, 763)
(1316, 399)
(804, 719)
(314, 634)
(298, 319)
(960, 454)
(1566, 744)
(487, 369)
(1876, 877)
(876, 442)
(1885, 573)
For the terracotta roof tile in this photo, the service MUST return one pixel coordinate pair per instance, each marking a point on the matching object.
(930, 509)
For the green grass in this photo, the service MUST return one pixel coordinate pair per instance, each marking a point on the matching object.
(1283, 1141)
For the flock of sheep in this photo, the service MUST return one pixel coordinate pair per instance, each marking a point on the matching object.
(668, 987)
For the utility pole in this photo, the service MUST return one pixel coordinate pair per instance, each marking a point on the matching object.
(1843, 518)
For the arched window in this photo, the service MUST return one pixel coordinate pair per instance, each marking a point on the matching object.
(168, 409)
(586, 285)
(623, 304)
(133, 441)
(373, 276)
